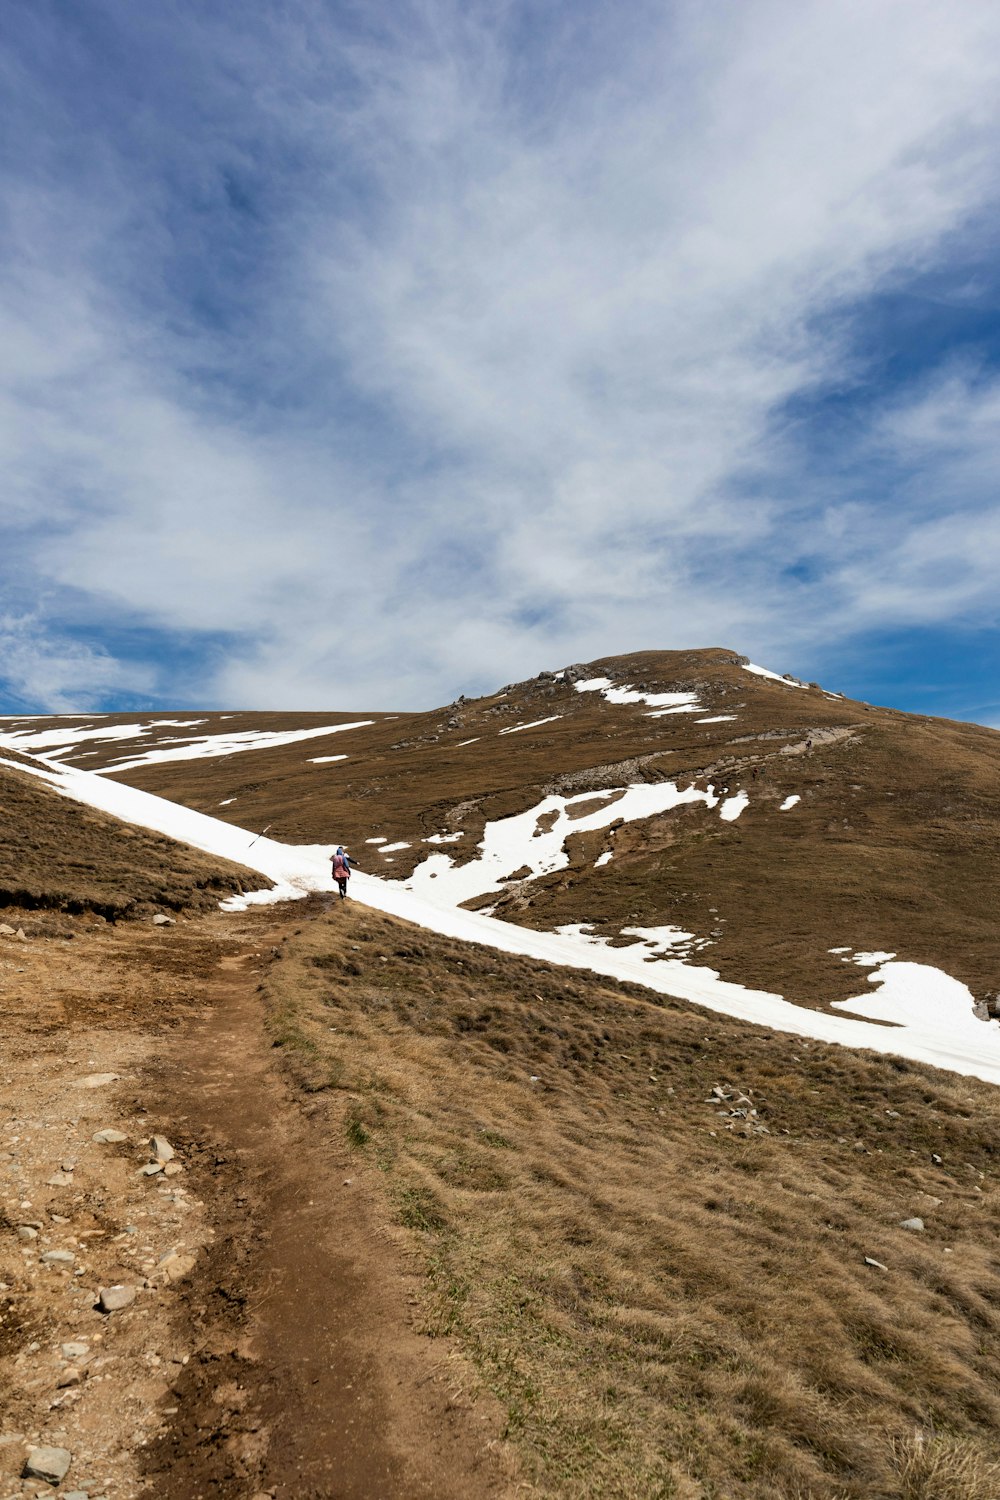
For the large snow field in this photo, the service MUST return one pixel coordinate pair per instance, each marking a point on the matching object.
(58, 742)
(927, 1014)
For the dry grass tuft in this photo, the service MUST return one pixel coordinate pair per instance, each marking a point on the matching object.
(934, 1467)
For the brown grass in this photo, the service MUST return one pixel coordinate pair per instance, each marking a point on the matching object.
(59, 855)
(668, 1302)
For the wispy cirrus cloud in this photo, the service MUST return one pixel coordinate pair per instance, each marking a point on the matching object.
(409, 351)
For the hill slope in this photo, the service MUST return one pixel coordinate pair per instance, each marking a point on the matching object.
(56, 855)
(888, 846)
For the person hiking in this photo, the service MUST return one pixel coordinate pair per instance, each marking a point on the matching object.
(341, 865)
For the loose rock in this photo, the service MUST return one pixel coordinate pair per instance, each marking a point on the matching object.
(50, 1464)
(870, 1261)
(57, 1258)
(109, 1137)
(113, 1298)
(97, 1080)
(917, 1224)
(161, 921)
(161, 1148)
(174, 1266)
(59, 1179)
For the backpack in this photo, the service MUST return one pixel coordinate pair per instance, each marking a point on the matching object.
(341, 870)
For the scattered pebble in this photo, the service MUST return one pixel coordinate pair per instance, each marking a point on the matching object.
(917, 1224)
(161, 1148)
(109, 1137)
(869, 1261)
(97, 1080)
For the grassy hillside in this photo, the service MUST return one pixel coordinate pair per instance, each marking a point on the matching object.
(651, 1229)
(58, 855)
(891, 847)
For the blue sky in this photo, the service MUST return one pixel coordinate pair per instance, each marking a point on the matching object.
(357, 356)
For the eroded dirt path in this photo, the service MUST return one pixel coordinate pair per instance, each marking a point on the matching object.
(267, 1347)
(309, 1379)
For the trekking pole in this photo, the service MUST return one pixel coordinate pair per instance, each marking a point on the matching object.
(259, 836)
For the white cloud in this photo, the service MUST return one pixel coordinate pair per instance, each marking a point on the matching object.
(551, 330)
(60, 675)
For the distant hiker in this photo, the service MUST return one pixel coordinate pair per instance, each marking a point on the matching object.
(341, 865)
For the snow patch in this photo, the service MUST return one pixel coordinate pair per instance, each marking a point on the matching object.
(325, 760)
(211, 746)
(790, 802)
(527, 842)
(603, 859)
(715, 719)
(516, 728)
(733, 806)
(678, 703)
(749, 666)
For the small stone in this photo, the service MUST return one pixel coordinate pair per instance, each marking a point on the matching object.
(161, 921)
(6, 930)
(26, 1232)
(97, 1080)
(109, 1137)
(20, 935)
(59, 1179)
(936, 1159)
(161, 1148)
(172, 1168)
(916, 1224)
(57, 1257)
(151, 1169)
(78, 1495)
(72, 1376)
(869, 1261)
(75, 1349)
(50, 1464)
(175, 1266)
(113, 1298)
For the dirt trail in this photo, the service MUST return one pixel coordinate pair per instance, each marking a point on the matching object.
(309, 1380)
